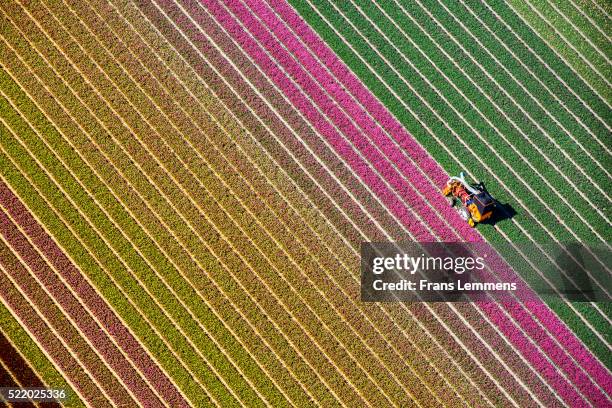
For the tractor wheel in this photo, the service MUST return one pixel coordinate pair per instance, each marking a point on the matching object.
(451, 201)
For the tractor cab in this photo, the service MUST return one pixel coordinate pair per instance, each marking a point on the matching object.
(477, 205)
(481, 206)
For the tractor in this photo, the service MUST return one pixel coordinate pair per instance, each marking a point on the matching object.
(476, 204)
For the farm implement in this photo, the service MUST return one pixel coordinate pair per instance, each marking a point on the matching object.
(476, 204)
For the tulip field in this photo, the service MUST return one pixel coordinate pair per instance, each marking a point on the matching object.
(185, 186)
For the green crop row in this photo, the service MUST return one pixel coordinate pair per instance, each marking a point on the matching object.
(450, 164)
(562, 71)
(222, 141)
(566, 86)
(592, 149)
(567, 42)
(416, 102)
(591, 21)
(496, 145)
(536, 91)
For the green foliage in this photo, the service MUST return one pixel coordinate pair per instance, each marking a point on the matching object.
(565, 39)
(530, 210)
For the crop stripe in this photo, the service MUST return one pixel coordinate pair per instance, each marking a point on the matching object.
(95, 303)
(404, 103)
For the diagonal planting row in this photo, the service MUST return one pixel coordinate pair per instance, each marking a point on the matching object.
(404, 115)
(17, 370)
(36, 358)
(588, 21)
(579, 326)
(503, 122)
(549, 20)
(134, 289)
(41, 301)
(553, 352)
(96, 304)
(574, 85)
(556, 92)
(57, 167)
(230, 287)
(593, 22)
(8, 378)
(241, 189)
(378, 41)
(551, 119)
(63, 358)
(116, 361)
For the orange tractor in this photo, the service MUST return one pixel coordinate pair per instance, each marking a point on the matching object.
(477, 205)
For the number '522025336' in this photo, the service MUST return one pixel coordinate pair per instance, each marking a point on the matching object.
(32, 394)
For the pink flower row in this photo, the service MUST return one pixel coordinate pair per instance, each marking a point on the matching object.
(342, 122)
(206, 48)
